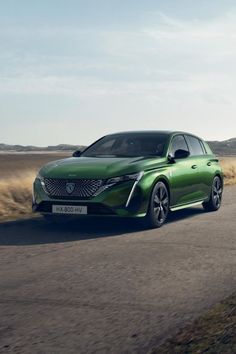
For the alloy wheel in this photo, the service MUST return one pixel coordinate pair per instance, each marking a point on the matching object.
(217, 192)
(161, 203)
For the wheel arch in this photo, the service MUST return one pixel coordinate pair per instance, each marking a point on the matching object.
(220, 175)
(163, 179)
(149, 214)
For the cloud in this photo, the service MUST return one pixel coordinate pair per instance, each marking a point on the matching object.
(167, 61)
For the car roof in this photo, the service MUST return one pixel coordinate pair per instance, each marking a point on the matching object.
(164, 132)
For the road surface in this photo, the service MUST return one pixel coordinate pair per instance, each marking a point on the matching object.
(111, 287)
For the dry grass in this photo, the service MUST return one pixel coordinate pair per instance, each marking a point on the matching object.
(16, 195)
(229, 168)
(18, 173)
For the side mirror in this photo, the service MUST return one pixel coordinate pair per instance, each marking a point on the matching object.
(171, 158)
(76, 153)
(181, 154)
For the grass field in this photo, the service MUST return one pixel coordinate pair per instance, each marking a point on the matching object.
(19, 170)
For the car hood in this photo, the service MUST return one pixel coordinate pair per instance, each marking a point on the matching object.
(91, 167)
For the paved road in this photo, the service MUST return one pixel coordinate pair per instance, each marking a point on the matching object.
(110, 287)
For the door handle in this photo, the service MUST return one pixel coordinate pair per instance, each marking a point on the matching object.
(194, 167)
(209, 163)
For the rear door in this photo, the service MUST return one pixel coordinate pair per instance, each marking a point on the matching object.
(200, 158)
(184, 178)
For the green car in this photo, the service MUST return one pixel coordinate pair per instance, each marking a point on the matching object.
(142, 174)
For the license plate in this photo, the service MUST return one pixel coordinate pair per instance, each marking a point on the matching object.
(69, 209)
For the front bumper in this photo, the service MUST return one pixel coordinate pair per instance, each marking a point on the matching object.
(124, 199)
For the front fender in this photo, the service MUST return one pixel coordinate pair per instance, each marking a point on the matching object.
(149, 180)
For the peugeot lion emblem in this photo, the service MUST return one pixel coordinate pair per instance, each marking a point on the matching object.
(70, 187)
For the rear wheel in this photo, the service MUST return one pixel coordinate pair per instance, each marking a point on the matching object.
(158, 206)
(215, 200)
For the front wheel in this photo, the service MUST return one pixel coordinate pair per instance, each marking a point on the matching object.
(158, 206)
(215, 200)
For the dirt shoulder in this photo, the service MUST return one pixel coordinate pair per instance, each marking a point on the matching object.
(213, 333)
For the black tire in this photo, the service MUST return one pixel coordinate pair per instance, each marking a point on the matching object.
(215, 199)
(158, 206)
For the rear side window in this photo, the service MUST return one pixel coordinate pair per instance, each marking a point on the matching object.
(195, 145)
(178, 143)
(203, 147)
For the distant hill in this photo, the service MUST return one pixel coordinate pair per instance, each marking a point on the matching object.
(224, 148)
(29, 148)
(221, 148)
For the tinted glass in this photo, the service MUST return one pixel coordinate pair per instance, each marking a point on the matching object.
(194, 145)
(128, 145)
(178, 143)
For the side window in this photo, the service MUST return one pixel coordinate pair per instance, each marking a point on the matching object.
(178, 143)
(203, 147)
(195, 145)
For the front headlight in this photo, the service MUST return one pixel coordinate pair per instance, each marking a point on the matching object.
(40, 178)
(131, 177)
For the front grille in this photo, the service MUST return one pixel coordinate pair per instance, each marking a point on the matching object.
(71, 189)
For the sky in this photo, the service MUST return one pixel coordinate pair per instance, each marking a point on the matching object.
(72, 71)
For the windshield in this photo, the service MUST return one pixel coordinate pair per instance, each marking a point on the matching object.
(128, 145)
